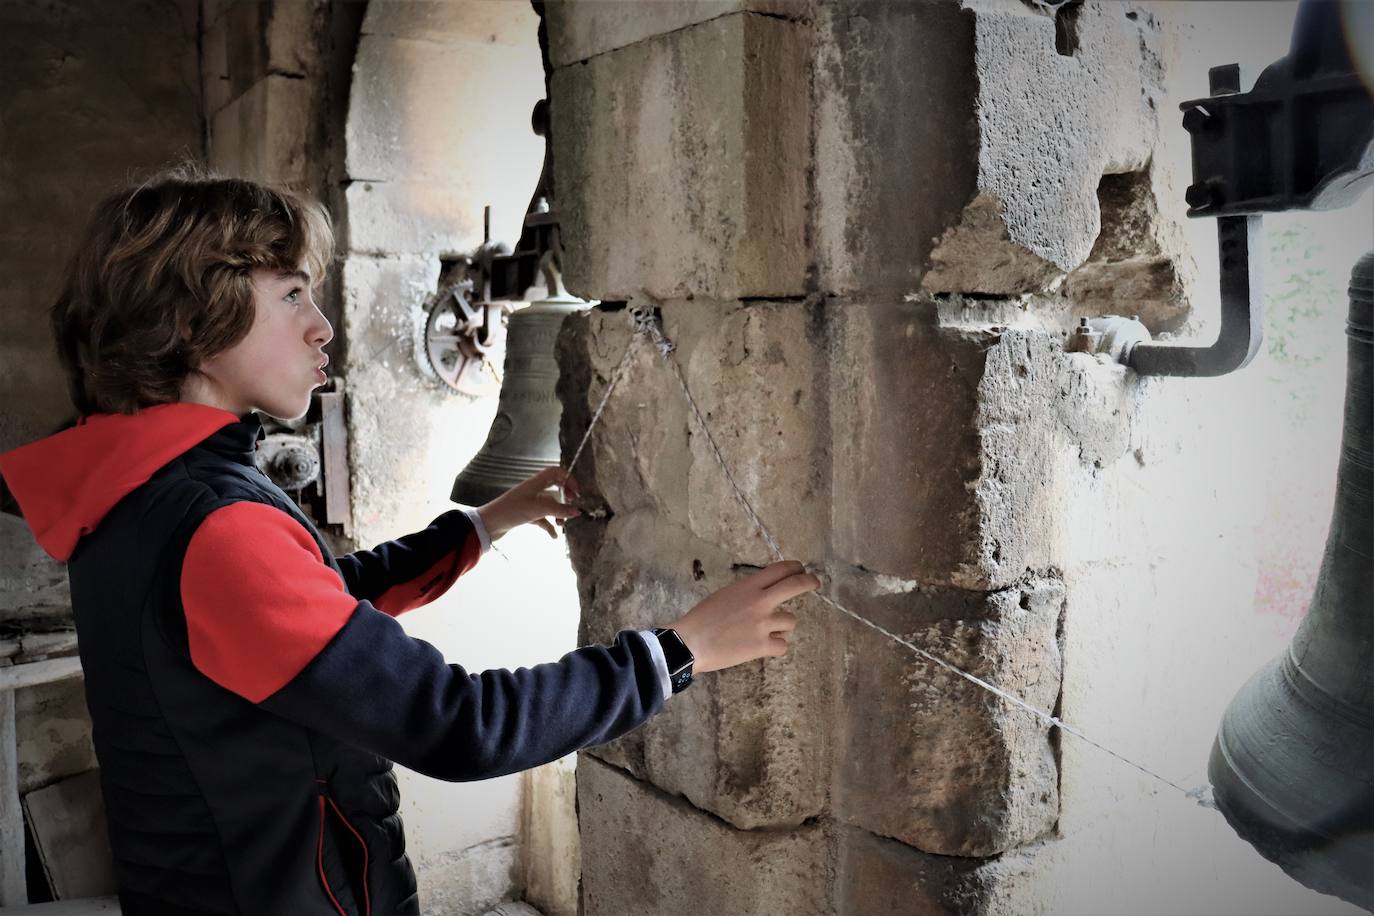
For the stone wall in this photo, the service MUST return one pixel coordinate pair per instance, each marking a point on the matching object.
(868, 227)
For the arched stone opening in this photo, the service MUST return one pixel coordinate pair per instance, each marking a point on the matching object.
(438, 128)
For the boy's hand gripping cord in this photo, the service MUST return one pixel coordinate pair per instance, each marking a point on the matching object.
(646, 326)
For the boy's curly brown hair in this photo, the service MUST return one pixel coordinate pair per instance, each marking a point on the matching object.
(160, 281)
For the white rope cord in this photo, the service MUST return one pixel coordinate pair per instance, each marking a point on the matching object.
(647, 327)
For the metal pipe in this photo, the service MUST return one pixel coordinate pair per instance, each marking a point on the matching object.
(1239, 242)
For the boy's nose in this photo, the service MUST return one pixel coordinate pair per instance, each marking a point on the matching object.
(323, 331)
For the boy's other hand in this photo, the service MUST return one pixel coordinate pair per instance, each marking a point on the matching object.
(531, 501)
(742, 621)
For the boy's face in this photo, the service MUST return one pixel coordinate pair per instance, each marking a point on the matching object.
(282, 359)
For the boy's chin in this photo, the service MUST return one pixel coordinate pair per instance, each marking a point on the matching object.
(286, 411)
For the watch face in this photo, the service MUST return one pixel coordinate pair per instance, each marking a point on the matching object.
(681, 680)
(675, 651)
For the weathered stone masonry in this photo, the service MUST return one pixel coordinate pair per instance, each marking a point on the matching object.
(867, 227)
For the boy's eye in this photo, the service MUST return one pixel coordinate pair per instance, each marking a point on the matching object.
(294, 295)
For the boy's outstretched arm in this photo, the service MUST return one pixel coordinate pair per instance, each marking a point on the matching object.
(268, 620)
(414, 570)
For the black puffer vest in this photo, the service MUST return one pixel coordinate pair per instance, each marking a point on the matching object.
(216, 805)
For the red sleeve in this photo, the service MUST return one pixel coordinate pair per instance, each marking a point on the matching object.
(259, 600)
(433, 582)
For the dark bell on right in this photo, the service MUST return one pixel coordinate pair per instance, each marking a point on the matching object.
(1292, 767)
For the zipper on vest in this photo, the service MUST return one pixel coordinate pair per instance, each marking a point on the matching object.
(319, 853)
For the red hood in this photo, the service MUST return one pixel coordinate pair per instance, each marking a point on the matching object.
(65, 484)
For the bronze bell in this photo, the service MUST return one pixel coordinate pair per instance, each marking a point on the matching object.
(1292, 767)
(523, 439)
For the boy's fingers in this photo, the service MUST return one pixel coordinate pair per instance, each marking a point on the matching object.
(774, 573)
(782, 622)
(552, 505)
(791, 587)
(547, 526)
(546, 478)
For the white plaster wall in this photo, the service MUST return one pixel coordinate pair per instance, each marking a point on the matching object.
(1225, 463)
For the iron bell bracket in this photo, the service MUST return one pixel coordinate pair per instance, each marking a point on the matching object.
(1301, 139)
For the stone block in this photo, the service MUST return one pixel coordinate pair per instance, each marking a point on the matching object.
(579, 29)
(551, 850)
(757, 373)
(261, 135)
(1020, 109)
(1048, 422)
(33, 586)
(759, 376)
(53, 733)
(1065, 95)
(423, 138)
(244, 42)
(67, 824)
(294, 34)
(887, 179)
(878, 875)
(638, 454)
(510, 25)
(681, 164)
(932, 759)
(749, 744)
(904, 449)
(649, 853)
(413, 217)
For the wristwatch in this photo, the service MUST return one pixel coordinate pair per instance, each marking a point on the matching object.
(678, 657)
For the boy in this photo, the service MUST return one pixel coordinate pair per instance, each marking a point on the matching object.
(248, 690)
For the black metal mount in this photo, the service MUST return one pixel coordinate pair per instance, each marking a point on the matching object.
(1301, 139)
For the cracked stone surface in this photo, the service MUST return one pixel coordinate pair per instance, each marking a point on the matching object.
(952, 447)
(1139, 264)
(1050, 125)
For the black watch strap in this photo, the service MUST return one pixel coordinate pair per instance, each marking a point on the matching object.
(678, 657)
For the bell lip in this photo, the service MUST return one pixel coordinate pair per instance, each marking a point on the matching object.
(1300, 850)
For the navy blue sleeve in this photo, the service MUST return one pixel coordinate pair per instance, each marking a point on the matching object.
(432, 557)
(377, 688)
